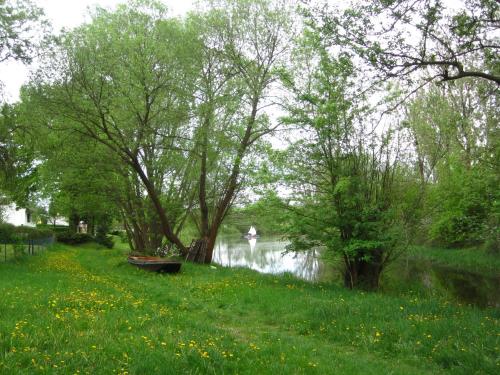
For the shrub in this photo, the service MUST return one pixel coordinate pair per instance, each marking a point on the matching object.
(124, 237)
(29, 233)
(71, 238)
(18, 248)
(7, 233)
(12, 234)
(52, 228)
(104, 240)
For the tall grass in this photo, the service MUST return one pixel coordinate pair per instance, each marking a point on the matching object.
(85, 310)
(471, 259)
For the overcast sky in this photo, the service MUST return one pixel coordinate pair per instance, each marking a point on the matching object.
(71, 13)
(68, 14)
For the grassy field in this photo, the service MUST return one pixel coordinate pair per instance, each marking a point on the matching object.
(7, 252)
(86, 311)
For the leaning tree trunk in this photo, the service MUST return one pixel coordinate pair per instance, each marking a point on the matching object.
(160, 210)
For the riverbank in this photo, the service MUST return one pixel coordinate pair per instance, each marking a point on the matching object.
(475, 260)
(86, 310)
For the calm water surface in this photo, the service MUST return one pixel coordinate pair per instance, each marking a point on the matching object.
(267, 255)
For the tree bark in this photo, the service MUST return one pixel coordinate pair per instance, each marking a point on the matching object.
(165, 224)
(224, 204)
(363, 274)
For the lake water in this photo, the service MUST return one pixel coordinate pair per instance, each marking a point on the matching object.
(267, 255)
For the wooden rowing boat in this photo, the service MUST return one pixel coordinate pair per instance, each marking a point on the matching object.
(155, 264)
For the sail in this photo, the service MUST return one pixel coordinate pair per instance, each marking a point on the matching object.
(252, 231)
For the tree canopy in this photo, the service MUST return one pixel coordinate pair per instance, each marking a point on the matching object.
(426, 40)
(166, 125)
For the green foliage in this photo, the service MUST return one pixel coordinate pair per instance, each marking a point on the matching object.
(30, 233)
(104, 240)
(12, 234)
(7, 233)
(18, 249)
(53, 228)
(20, 25)
(348, 194)
(72, 238)
(457, 150)
(465, 208)
(101, 236)
(449, 43)
(267, 215)
(160, 123)
(18, 173)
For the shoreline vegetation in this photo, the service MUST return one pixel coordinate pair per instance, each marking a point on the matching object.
(59, 308)
(474, 260)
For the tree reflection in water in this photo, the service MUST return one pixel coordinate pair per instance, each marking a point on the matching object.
(267, 256)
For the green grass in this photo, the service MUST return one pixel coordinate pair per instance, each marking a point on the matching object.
(471, 259)
(85, 310)
(7, 253)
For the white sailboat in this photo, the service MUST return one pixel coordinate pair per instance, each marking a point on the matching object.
(252, 233)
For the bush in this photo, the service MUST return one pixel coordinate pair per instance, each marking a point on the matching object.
(18, 249)
(71, 238)
(29, 233)
(124, 237)
(105, 241)
(52, 228)
(7, 233)
(12, 234)
(464, 209)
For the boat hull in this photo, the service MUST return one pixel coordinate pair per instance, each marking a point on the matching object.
(153, 264)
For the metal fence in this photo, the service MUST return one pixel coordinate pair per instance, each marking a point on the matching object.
(13, 250)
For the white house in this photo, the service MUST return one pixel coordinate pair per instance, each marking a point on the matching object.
(17, 216)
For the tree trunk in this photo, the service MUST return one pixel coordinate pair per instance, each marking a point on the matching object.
(232, 185)
(363, 274)
(165, 223)
(197, 251)
(210, 246)
(74, 220)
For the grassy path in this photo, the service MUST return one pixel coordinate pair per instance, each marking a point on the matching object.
(86, 311)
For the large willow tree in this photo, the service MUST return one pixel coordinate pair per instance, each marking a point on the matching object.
(245, 45)
(180, 103)
(125, 80)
